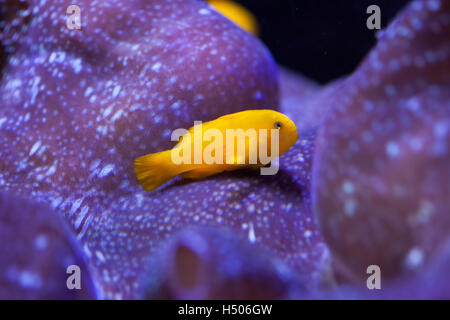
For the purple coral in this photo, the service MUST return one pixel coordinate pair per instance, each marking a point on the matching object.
(88, 102)
(80, 105)
(382, 167)
(216, 263)
(37, 249)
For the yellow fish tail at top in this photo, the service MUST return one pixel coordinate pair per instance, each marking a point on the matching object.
(236, 13)
(153, 170)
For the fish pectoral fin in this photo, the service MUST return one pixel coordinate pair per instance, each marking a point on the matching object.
(201, 173)
(234, 160)
(240, 159)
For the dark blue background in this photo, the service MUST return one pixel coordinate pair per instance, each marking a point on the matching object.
(323, 39)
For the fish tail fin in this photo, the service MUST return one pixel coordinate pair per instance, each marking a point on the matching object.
(153, 170)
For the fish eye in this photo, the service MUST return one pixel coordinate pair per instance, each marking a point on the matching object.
(278, 125)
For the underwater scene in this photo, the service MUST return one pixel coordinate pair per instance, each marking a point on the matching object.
(224, 149)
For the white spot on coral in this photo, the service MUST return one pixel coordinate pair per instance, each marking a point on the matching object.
(28, 279)
(100, 256)
(173, 79)
(35, 89)
(157, 119)
(94, 164)
(350, 207)
(199, 97)
(108, 111)
(440, 129)
(424, 212)
(251, 233)
(139, 199)
(307, 233)
(413, 104)
(87, 251)
(414, 258)
(204, 11)
(88, 91)
(56, 202)
(117, 115)
(392, 149)
(106, 170)
(76, 204)
(434, 5)
(35, 148)
(2, 121)
(116, 91)
(57, 57)
(348, 187)
(157, 66)
(41, 242)
(176, 105)
(77, 65)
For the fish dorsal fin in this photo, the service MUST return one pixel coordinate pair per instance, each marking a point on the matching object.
(232, 116)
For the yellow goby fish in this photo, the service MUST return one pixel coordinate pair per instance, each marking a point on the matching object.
(246, 139)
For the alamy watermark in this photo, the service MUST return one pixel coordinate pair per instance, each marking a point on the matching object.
(74, 20)
(374, 20)
(374, 280)
(74, 280)
(213, 153)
